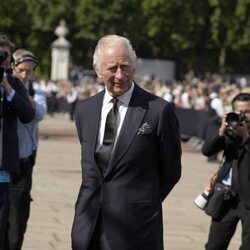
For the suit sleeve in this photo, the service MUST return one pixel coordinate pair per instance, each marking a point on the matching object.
(213, 145)
(20, 103)
(78, 122)
(169, 149)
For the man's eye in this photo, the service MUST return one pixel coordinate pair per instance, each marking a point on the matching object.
(112, 68)
(124, 67)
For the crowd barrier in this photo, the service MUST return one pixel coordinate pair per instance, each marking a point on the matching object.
(195, 123)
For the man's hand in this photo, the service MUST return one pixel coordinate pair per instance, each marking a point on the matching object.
(32, 102)
(210, 185)
(6, 86)
(223, 126)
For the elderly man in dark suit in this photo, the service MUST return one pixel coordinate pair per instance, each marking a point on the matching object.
(131, 157)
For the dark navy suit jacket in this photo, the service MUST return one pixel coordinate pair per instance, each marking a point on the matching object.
(142, 171)
(19, 107)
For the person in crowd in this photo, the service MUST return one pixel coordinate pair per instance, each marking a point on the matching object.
(23, 66)
(50, 89)
(14, 104)
(52, 99)
(131, 159)
(72, 98)
(216, 106)
(216, 112)
(233, 139)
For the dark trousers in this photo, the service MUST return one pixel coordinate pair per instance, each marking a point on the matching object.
(20, 199)
(4, 207)
(99, 240)
(223, 228)
(72, 107)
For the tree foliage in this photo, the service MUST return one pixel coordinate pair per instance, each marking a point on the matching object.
(208, 35)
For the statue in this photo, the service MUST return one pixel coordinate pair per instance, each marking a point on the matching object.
(60, 54)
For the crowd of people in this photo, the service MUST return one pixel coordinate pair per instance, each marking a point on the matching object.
(190, 93)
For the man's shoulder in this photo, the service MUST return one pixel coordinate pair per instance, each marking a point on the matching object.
(90, 101)
(152, 98)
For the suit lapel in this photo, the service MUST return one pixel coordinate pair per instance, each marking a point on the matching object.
(133, 119)
(94, 121)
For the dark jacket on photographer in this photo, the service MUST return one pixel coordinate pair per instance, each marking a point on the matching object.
(235, 158)
(244, 174)
(20, 108)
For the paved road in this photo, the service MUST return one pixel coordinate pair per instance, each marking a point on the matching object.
(56, 182)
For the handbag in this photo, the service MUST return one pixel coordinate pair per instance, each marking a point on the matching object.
(216, 200)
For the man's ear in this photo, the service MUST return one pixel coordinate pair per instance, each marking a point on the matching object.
(98, 72)
(12, 65)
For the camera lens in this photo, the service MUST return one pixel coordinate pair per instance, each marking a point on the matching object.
(233, 119)
(3, 55)
(1, 73)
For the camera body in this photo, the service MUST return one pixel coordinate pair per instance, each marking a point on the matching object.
(3, 56)
(234, 119)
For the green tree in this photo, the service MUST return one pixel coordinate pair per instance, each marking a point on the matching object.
(230, 31)
(208, 35)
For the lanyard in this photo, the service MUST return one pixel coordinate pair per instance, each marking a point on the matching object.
(4, 176)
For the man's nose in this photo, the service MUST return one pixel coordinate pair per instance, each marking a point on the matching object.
(119, 72)
(24, 74)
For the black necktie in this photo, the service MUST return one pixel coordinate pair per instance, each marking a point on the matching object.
(103, 154)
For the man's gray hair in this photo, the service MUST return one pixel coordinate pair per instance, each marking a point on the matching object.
(106, 42)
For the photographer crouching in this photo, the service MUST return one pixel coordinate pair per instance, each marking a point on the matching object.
(14, 104)
(233, 139)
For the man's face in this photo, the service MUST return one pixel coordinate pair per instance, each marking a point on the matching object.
(244, 107)
(6, 62)
(24, 71)
(116, 69)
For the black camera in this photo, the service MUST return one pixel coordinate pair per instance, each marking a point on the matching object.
(3, 56)
(234, 119)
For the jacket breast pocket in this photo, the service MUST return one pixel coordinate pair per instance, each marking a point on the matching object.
(145, 201)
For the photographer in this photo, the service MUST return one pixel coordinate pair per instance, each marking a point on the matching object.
(14, 104)
(23, 66)
(233, 139)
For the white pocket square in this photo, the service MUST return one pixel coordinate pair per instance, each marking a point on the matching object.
(145, 129)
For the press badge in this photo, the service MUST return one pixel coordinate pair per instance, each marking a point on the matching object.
(4, 176)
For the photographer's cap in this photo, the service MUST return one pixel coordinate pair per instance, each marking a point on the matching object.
(23, 55)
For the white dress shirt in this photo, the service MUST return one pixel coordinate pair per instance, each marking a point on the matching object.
(122, 107)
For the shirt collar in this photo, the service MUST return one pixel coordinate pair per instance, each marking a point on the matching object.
(26, 85)
(125, 98)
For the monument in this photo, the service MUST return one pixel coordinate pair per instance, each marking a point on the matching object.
(60, 54)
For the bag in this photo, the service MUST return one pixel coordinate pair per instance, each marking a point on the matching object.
(216, 200)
